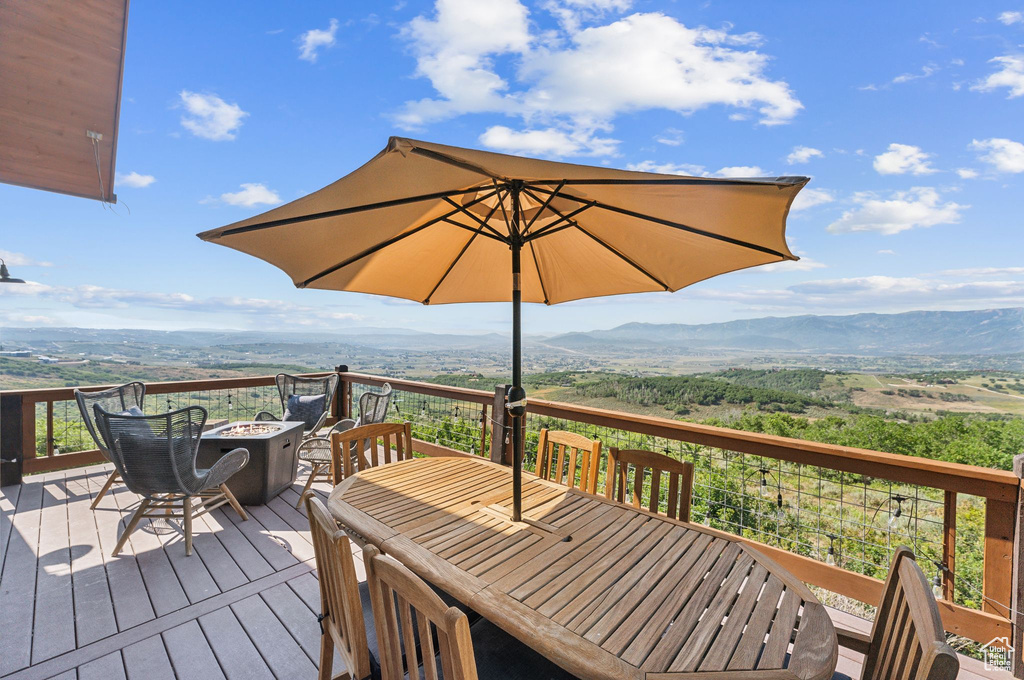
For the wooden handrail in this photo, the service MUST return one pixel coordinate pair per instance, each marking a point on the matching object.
(972, 480)
(45, 394)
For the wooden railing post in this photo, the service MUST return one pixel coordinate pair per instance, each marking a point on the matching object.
(997, 588)
(341, 407)
(13, 429)
(949, 546)
(500, 451)
(1018, 574)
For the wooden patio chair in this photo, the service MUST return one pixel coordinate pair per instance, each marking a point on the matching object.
(406, 609)
(569, 458)
(369, 446)
(344, 601)
(907, 639)
(156, 456)
(121, 399)
(679, 476)
(316, 450)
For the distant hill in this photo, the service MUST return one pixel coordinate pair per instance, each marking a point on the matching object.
(995, 331)
(992, 331)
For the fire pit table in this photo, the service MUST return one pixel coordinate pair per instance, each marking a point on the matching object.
(272, 457)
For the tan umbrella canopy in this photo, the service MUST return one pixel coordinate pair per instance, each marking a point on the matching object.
(440, 224)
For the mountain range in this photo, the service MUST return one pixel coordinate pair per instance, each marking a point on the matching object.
(993, 331)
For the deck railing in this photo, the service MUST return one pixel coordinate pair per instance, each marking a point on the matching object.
(842, 512)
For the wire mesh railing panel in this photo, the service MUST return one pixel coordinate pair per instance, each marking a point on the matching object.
(453, 423)
(849, 520)
(70, 433)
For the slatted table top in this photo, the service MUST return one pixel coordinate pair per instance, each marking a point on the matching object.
(602, 589)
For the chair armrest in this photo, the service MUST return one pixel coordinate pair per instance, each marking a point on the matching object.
(229, 464)
(852, 639)
(265, 415)
(341, 426)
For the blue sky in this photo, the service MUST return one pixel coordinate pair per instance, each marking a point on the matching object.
(907, 116)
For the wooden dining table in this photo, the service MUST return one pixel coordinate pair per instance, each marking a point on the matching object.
(603, 589)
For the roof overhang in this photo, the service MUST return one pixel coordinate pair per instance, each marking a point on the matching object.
(61, 68)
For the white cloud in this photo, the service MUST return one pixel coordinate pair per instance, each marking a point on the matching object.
(966, 173)
(210, 117)
(886, 251)
(803, 154)
(984, 271)
(14, 259)
(572, 13)
(551, 142)
(918, 207)
(582, 79)
(804, 264)
(1012, 17)
(808, 198)
(740, 171)
(903, 158)
(694, 170)
(875, 294)
(98, 297)
(134, 180)
(1005, 155)
(314, 39)
(926, 72)
(687, 169)
(670, 137)
(1010, 75)
(252, 194)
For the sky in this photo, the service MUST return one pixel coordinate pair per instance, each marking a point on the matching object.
(908, 117)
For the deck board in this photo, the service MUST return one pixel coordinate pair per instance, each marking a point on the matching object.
(242, 606)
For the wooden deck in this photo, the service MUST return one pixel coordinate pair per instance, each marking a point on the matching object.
(242, 606)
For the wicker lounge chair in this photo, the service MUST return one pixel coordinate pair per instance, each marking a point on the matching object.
(115, 400)
(156, 456)
(373, 409)
(305, 399)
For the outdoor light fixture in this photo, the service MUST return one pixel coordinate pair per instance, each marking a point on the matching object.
(830, 556)
(5, 275)
(765, 490)
(937, 588)
(895, 515)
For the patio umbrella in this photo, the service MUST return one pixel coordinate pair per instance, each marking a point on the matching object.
(440, 224)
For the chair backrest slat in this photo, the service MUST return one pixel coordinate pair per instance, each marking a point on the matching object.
(339, 589)
(676, 498)
(399, 598)
(907, 638)
(295, 385)
(555, 448)
(373, 406)
(367, 445)
(114, 400)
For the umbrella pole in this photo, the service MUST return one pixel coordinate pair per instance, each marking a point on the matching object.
(516, 398)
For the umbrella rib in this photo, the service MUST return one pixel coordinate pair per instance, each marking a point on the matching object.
(504, 214)
(678, 225)
(384, 244)
(557, 225)
(475, 218)
(458, 257)
(474, 230)
(543, 206)
(684, 181)
(341, 211)
(457, 162)
(625, 259)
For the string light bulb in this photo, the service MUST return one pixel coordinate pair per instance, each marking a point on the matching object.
(894, 516)
(830, 556)
(937, 584)
(764, 489)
